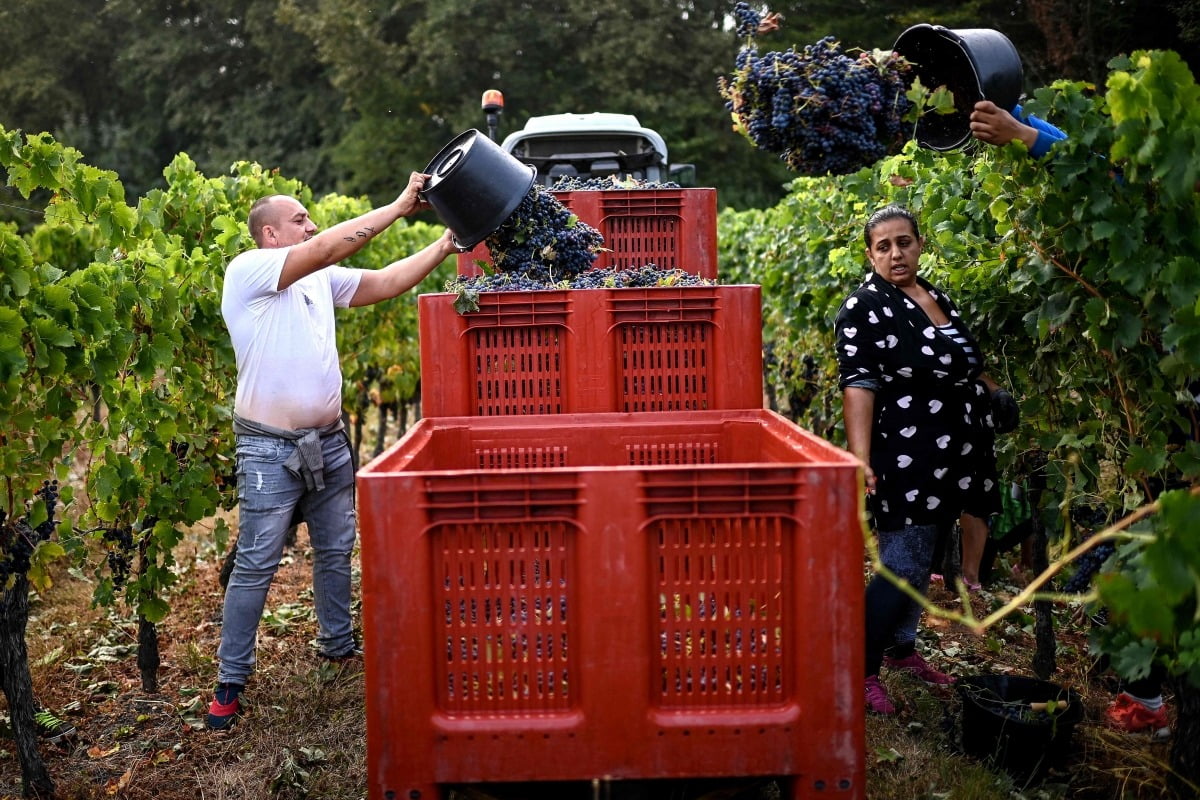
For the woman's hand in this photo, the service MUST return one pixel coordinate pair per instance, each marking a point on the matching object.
(858, 411)
(1005, 412)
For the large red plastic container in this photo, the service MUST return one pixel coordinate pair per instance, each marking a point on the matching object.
(613, 596)
(686, 348)
(672, 228)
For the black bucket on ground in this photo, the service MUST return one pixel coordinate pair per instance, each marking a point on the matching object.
(1007, 721)
(973, 63)
(474, 186)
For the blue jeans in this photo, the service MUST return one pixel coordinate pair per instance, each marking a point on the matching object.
(268, 493)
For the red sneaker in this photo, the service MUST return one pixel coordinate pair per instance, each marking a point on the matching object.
(225, 707)
(918, 666)
(1127, 714)
(878, 701)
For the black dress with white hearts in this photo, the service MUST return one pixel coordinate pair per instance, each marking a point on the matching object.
(932, 416)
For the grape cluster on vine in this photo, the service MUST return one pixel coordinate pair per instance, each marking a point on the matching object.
(18, 539)
(541, 239)
(120, 553)
(1086, 567)
(823, 111)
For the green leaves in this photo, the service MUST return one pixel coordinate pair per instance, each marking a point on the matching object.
(1154, 100)
(1153, 597)
(114, 355)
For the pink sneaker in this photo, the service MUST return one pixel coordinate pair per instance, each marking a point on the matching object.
(918, 666)
(878, 701)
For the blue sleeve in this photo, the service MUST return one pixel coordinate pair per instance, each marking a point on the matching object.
(1047, 134)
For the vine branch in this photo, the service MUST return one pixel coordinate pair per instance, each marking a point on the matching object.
(1063, 268)
(967, 618)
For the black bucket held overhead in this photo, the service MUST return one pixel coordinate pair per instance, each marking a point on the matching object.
(474, 186)
(973, 63)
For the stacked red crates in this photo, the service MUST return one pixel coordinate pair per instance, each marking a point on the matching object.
(598, 557)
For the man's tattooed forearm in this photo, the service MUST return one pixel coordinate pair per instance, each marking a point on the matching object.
(365, 233)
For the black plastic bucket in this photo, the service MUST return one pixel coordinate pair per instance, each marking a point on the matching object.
(474, 186)
(1000, 724)
(974, 63)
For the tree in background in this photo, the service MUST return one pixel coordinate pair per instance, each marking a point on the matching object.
(133, 83)
(1080, 37)
(349, 93)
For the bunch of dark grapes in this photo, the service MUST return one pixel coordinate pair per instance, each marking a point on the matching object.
(543, 246)
(120, 553)
(747, 19)
(821, 110)
(1086, 567)
(543, 241)
(646, 275)
(500, 282)
(571, 184)
(18, 539)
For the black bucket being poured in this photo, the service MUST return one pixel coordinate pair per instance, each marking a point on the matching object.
(474, 186)
(973, 63)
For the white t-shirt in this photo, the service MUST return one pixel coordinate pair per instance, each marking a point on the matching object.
(288, 375)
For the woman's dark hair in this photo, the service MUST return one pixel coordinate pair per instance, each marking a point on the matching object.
(886, 214)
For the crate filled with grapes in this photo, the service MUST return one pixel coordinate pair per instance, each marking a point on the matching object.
(545, 327)
(619, 226)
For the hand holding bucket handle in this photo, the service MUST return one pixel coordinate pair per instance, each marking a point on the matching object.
(424, 203)
(412, 199)
(475, 185)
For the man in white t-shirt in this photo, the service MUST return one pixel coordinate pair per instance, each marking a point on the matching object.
(292, 449)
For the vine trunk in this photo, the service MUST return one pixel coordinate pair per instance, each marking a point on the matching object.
(18, 687)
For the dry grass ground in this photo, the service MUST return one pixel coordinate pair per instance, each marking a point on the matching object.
(917, 754)
(303, 735)
(303, 731)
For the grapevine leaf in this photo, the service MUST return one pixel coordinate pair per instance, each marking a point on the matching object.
(38, 513)
(21, 281)
(154, 609)
(1133, 660)
(40, 561)
(467, 301)
(1145, 461)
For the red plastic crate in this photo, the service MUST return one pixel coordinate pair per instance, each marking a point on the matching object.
(673, 228)
(686, 348)
(617, 596)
